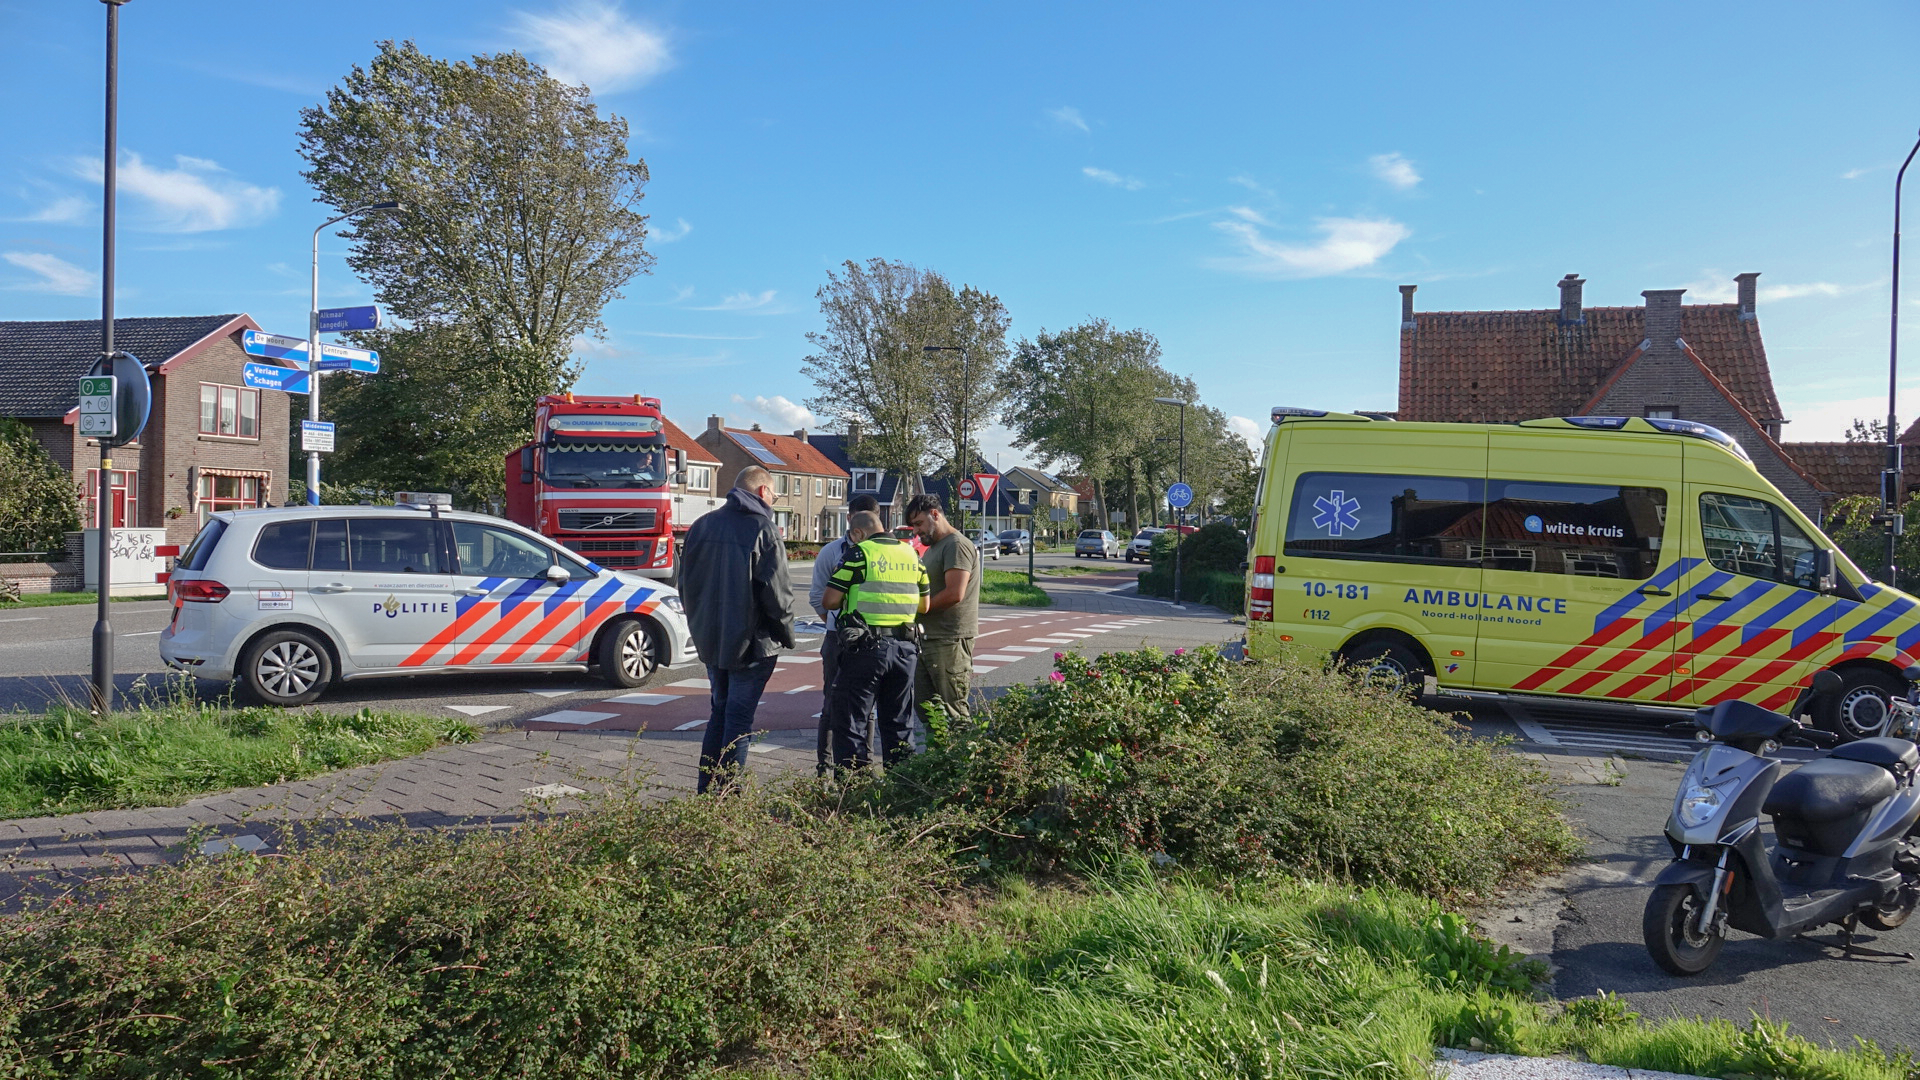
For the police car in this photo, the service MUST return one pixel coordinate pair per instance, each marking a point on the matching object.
(290, 600)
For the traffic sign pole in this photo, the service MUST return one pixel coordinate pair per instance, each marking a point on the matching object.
(102, 628)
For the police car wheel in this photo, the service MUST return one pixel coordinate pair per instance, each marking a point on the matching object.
(286, 667)
(1860, 709)
(1387, 664)
(630, 654)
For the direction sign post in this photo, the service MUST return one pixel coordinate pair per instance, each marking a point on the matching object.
(335, 320)
(316, 436)
(97, 412)
(271, 377)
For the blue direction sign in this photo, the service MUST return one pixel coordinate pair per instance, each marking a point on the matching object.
(334, 320)
(269, 377)
(293, 351)
(1179, 496)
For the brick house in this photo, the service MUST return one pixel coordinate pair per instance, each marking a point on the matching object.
(1703, 362)
(872, 480)
(210, 442)
(809, 491)
(1046, 493)
(695, 487)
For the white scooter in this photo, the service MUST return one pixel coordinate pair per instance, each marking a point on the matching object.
(1843, 828)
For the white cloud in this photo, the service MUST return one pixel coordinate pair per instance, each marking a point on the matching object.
(592, 43)
(1070, 117)
(1106, 176)
(1250, 184)
(742, 302)
(1248, 213)
(197, 196)
(1719, 289)
(1828, 421)
(1395, 170)
(1854, 174)
(1251, 430)
(1345, 244)
(62, 211)
(668, 236)
(786, 415)
(56, 275)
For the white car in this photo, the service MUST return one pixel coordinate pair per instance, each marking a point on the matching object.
(1140, 548)
(290, 600)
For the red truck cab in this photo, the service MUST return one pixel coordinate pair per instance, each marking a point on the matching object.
(594, 479)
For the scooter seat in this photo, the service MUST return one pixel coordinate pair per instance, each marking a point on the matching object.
(1829, 789)
(1898, 756)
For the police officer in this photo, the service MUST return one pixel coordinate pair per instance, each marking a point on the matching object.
(878, 591)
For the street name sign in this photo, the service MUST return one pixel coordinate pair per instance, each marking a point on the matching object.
(316, 435)
(334, 320)
(1180, 496)
(269, 377)
(294, 351)
(97, 412)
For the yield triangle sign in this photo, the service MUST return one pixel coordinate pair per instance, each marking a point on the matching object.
(984, 484)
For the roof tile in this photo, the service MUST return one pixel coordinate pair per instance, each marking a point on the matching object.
(41, 362)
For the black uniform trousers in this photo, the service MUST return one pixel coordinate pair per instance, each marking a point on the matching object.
(875, 678)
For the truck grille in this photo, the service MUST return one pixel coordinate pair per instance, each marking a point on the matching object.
(608, 520)
(606, 545)
(619, 562)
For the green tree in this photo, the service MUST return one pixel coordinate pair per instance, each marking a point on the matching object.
(967, 380)
(39, 501)
(868, 367)
(1867, 431)
(520, 224)
(1850, 525)
(1084, 397)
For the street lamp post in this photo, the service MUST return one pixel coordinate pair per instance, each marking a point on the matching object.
(1891, 478)
(313, 345)
(102, 556)
(1179, 513)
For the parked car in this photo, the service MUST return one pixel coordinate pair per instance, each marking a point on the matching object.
(1016, 542)
(987, 541)
(1096, 542)
(907, 534)
(1140, 548)
(293, 599)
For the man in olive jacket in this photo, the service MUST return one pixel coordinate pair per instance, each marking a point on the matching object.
(733, 582)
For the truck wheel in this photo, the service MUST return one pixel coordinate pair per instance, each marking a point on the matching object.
(1860, 710)
(1673, 936)
(1387, 664)
(286, 667)
(630, 653)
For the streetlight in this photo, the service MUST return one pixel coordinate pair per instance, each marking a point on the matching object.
(313, 345)
(1179, 512)
(966, 384)
(1891, 478)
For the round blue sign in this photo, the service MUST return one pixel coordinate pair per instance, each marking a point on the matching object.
(1534, 524)
(1179, 496)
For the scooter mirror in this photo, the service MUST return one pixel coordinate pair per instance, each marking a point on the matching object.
(1826, 684)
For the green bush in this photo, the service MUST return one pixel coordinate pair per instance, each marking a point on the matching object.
(1210, 567)
(39, 502)
(642, 939)
(1241, 768)
(1228, 592)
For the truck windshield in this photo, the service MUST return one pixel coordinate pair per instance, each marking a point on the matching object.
(604, 464)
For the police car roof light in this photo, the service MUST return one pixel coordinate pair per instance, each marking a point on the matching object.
(1604, 423)
(1291, 410)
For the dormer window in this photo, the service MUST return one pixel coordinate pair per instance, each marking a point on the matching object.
(867, 479)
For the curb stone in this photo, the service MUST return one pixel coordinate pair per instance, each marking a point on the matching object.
(1469, 1065)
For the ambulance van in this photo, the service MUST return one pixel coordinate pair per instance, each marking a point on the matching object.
(1641, 561)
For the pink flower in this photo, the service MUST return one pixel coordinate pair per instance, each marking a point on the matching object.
(1056, 676)
(1179, 652)
(1059, 656)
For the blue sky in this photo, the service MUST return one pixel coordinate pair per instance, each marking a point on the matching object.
(1249, 182)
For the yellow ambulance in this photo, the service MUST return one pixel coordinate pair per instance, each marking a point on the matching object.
(1606, 558)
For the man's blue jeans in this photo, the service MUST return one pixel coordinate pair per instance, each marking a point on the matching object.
(736, 695)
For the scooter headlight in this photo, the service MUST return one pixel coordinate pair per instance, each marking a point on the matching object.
(1698, 804)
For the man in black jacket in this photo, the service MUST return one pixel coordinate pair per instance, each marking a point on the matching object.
(733, 581)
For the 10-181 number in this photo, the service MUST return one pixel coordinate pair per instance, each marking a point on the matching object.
(1344, 592)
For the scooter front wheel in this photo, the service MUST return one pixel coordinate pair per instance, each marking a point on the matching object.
(1672, 929)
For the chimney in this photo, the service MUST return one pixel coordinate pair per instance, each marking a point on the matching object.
(1663, 316)
(1748, 287)
(1570, 313)
(1406, 306)
(853, 434)
(714, 423)
(801, 434)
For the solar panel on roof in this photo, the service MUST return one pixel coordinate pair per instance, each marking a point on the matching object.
(752, 446)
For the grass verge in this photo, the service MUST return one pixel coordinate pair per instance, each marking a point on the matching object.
(67, 760)
(1176, 978)
(1010, 588)
(62, 599)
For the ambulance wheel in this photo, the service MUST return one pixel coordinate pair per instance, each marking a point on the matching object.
(630, 653)
(1860, 710)
(1387, 664)
(286, 667)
